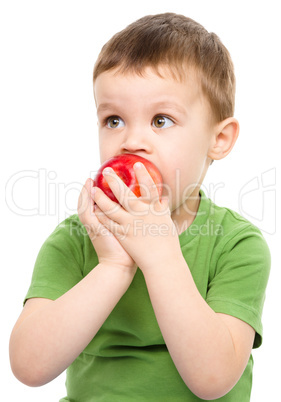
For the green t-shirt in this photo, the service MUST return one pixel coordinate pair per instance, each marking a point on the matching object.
(128, 360)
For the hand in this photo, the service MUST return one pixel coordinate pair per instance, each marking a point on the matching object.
(143, 225)
(108, 248)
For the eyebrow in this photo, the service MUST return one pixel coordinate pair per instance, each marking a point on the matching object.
(169, 105)
(159, 105)
(105, 106)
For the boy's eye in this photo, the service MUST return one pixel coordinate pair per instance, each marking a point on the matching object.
(114, 122)
(162, 122)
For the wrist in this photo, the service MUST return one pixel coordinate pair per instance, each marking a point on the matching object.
(164, 263)
(117, 267)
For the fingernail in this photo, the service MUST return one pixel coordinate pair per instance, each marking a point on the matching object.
(138, 165)
(107, 170)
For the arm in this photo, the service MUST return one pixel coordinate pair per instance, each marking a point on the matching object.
(49, 335)
(209, 350)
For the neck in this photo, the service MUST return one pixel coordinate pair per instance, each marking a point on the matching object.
(184, 215)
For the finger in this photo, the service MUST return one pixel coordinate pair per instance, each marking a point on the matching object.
(108, 223)
(148, 188)
(86, 211)
(84, 201)
(105, 204)
(119, 231)
(165, 205)
(118, 187)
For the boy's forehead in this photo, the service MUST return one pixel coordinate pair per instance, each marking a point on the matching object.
(160, 83)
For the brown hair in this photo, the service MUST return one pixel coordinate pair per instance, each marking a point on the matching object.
(177, 42)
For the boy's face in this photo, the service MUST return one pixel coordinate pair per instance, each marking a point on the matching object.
(161, 119)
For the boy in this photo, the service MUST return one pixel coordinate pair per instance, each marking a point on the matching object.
(181, 326)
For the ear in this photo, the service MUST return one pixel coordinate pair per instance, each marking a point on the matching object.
(225, 136)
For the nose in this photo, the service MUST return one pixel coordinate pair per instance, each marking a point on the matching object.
(136, 140)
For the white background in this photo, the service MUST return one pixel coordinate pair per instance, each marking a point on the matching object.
(49, 140)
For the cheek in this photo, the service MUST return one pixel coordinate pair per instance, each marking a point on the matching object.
(181, 178)
(174, 180)
(106, 149)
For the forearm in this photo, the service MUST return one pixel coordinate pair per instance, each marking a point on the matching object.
(47, 341)
(199, 342)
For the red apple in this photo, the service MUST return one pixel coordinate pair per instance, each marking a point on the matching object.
(123, 167)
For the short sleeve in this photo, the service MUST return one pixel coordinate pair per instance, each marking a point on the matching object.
(59, 264)
(239, 283)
